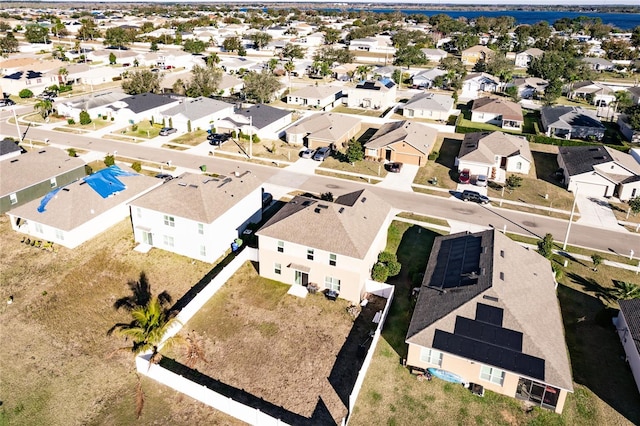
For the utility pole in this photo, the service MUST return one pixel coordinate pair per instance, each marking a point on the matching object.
(250, 135)
(573, 209)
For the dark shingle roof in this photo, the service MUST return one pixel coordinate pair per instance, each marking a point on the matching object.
(568, 117)
(631, 311)
(263, 115)
(146, 101)
(7, 146)
(581, 159)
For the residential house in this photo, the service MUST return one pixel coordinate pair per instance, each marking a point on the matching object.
(9, 149)
(599, 171)
(196, 215)
(195, 113)
(475, 54)
(425, 79)
(498, 111)
(487, 314)
(405, 141)
(635, 94)
(319, 97)
(333, 245)
(595, 93)
(234, 65)
(97, 105)
(90, 75)
(529, 87)
(384, 71)
(71, 214)
(475, 83)
(493, 154)
(629, 133)
(260, 120)
(434, 106)
(378, 94)
(230, 85)
(33, 174)
(569, 122)
(103, 55)
(628, 328)
(344, 72)
(141, 107)
(523, 59)
(325, 129)
(313, 40)
(434, 55)
(36, 77)
(599, 64)
(378, 44)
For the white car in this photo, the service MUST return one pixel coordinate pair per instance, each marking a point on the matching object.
(481, 180)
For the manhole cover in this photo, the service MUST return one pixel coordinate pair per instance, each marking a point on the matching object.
(531, 224)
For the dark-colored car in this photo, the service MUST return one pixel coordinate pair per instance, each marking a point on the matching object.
(465, 176)
(394, 167)
(322, 153)
(216, 139)
(166, 177)
(267, 198)
(6, 102)
(166, 131)
(474, 196)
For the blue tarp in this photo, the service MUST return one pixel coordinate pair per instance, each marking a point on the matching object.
(106, 183)
(46, 199)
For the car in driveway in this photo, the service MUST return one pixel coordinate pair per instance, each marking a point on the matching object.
(481, 180)
(464, 176)
(474, 196)
(307, 153)
(166, 131)
(394, 167)
(164, 176)
(217, 139)
(322, 153)
(6, 102)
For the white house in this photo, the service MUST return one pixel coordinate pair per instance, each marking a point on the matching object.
(434, 55)
(77, 212)
(523, 59)
(433, 106)
(97, 105)
(262, 120)
(142, 107)
(628, 327)
(379, 94)
(196, 215)
(595, 93)
(529, 87)
(197, 113)
(425, 78)
(475, 83)
(498, 111)
(319, 97)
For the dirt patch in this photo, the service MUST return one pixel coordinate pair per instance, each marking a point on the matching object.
(295, 359)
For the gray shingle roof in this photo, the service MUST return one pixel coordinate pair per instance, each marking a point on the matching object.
(197, 197)
(419, 136)
(317, 92)
(430, 102)
(347, 226)
(631, 311)
(326, 126)
(8, 146)
(581, 159)
(35, 167)
(568, 117)
(262, 115)
(494, 271)
(147, 101)
(194, 109)
(484, 146)
(94, 101)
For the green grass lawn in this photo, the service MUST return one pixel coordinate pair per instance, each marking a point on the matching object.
(143, 129)
(392, 396)
(192, 139)
(356, 111)
(443, 168)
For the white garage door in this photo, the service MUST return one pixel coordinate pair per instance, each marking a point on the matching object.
(591, 189)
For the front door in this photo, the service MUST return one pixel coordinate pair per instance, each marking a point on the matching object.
(147, 238)
(302, 278)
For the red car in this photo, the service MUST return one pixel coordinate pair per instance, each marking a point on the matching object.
(465, 176)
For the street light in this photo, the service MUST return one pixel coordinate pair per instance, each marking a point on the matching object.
(573, 209)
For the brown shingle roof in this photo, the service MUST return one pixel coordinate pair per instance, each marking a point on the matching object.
(484, 146)
(326, 126)
(509, 110)
(419, 136)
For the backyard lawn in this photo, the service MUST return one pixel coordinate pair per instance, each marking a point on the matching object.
(443, 168)
(393, 396)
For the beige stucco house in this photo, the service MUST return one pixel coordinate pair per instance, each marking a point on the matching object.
(404, 141)
(498, 111)
(331, 244)
(474, 54)
(324, 129)
(487, 312)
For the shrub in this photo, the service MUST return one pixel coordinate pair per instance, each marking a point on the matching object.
(134, 128)
(71, 121)
(326, 196)
(434, 155)
(189, 126)
(136, 166)
(65, 88)
(104, 117)
(380, 273)
(113, 118)
(84, 117)
(25, 94)
(545, 246)
(109, 160)
(386, 256)
(72, 152)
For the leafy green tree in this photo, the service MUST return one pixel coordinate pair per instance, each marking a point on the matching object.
(410, 55)
(623, 290)
(512, 92)
(112, 58)
(194, 46)
(44, 106)
(499, 66)
(260, 39)
(261, 86)
(118, 37)
(109, 160)
(545, 246)
(232, 44)
(25, 94)
(355, 152)
(4, 27)
(514, 181)
(387, 266)
(154, 46)
(333, 54)
(143, 81)
(293, 51)
(84, 117)
(552, 92)
(464, 41)
(635, 37)
(205, 81)
(363, 71)
(89, 30)
(8, 43)
(634, 204)
(597, 260)
(36, 34)
(331, 35)
(289, 67)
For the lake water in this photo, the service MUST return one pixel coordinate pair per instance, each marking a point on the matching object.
(624, 21)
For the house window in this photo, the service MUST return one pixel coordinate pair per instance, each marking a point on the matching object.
(280, 246)
(53, 182)
(13, 198)
(201, 228)
(519, 165)
(331, 283)
(59, 235)
(332, 259)
(168, 241)
(138, 212)
(203, 250)
(39, 228)
(309, 254)
(169, 221)
(431, 356)
(277, 268)
(491, 374)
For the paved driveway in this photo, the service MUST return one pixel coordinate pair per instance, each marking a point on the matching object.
(400, 181)
(595, 211)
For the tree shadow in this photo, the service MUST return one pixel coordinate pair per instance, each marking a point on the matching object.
(546, 166)
(140, 295)
(592, 286)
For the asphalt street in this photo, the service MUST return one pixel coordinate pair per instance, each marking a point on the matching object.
(434, 206)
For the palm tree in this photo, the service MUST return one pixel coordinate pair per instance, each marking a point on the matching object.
(289, 67)
(363, 71)
(45, 106)
(625, 291)
(62, 75)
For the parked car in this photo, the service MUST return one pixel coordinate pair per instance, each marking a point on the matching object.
(166, 177)
(481, 180)
(6, 102)
(322, 153)
(155, 70)
(307, 153)
(474, 196)
(267, 198)
(465, 176)
(216, 139)
(166, 131)
(394, 167)
(47, 95)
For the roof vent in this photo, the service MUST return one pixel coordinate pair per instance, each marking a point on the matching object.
(341, 210)
(182, 184)
(363, 199)
(15, 161)
(42, 152)
(193, 186)
(65, 189)
(493, 299)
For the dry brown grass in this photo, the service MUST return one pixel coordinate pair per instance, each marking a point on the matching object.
(56, 369)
